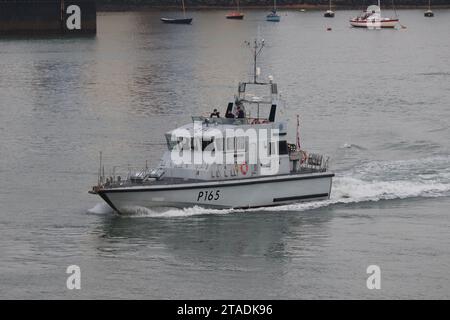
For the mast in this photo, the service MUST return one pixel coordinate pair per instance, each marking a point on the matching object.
(238, 6)
(379, 4)
(184, 9)
(257, 48)
(275, 5)
(330, 6)
(429, 5)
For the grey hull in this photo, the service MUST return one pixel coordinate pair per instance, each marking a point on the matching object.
(238, 193)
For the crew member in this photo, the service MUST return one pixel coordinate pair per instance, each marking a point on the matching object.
(215, 113)
(240, 112)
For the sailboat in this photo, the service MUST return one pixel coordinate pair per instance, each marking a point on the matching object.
(429, 13)
(237, 15)
(273, 16)
(183, 20)
(372, 19)
(329, 13)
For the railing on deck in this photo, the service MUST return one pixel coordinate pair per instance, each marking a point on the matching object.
(229, 121)
(307, 161)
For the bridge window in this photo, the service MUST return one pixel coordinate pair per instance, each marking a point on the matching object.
(283, 147)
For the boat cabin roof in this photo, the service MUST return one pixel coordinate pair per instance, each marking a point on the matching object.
(210, 126)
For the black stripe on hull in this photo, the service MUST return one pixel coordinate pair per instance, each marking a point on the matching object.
(201, 185)
(306, 197)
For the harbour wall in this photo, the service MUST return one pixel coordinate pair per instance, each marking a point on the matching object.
(48, 17)
(206, 4)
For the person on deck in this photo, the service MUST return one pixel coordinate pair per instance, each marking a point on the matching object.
(215, 113)
(240, 112)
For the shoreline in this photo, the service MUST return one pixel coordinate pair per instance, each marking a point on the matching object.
(311, 7)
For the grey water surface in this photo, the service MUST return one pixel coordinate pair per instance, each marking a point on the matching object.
(376, 102)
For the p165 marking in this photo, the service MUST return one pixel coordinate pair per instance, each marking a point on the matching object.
(213, 195)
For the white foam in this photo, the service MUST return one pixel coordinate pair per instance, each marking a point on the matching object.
(142, 212)
(346, 146)
(100, 208)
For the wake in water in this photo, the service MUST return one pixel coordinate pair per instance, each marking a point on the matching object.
(162, 212)
(373, 181)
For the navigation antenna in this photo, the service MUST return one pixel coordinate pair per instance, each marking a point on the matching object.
(256, 50)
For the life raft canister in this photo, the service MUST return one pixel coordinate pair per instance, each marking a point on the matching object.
(244, 168)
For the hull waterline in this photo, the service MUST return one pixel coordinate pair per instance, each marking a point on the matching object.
(235, 16)
(272, 18)
(374, 25)
(177, 21)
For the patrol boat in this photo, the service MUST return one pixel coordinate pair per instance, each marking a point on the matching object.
(260, 167)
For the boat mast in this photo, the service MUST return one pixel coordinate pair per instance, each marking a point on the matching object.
(330, 6)
(184, 9)
(239, 10)
(429, 5)
(275, 5)
(257, 48)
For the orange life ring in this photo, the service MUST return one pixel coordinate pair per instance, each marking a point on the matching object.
(244, 168)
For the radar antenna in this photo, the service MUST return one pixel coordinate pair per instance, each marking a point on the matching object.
(256, 49)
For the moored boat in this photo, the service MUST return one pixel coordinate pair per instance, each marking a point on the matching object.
(177, 21)
(273, 16)
(429, 13)
(236, 15)
(183, 20)
(329, 13)
(372, 19)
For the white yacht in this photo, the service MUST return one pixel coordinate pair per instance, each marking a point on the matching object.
(260, 166)
(429, 13)
(372, 19)
(329, 13)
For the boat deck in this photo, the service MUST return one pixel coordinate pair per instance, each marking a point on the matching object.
(172, 180)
